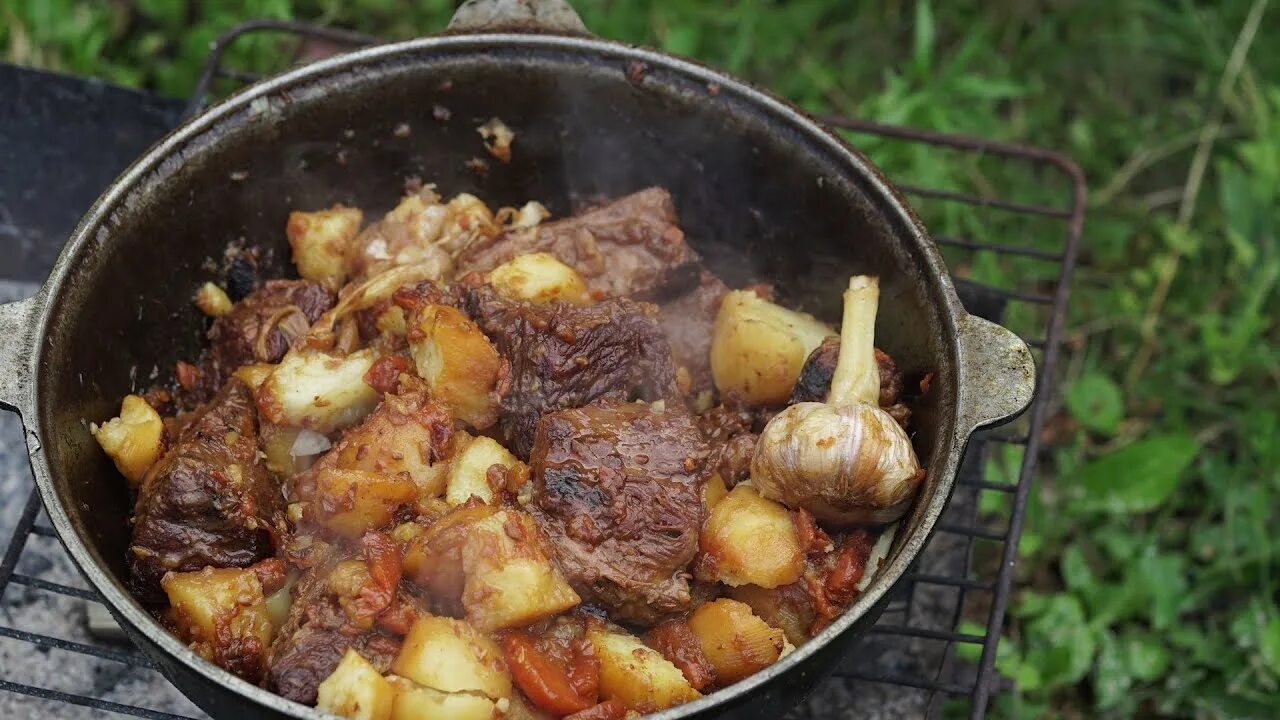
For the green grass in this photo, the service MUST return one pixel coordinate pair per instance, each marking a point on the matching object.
(1148, 584)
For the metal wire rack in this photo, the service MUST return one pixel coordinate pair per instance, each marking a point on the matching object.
(916, 650)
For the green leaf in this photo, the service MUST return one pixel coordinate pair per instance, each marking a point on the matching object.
(1146, 657)
(1269, 645)
(682, 40)
(1165, 579)
(1059, 642)
(924, 36)
(1138, 477)
(1075, 570)
(1111, 680)
(1096, 403)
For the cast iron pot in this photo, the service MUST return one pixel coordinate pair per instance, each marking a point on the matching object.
(763, 193)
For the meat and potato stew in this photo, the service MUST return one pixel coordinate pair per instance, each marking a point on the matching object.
(477, 464)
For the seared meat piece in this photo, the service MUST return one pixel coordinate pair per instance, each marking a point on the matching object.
(815, 380)
(631, 246)
(260, 329)
(317, 634)
(209, 501)
(617, 488)
(687, 321)
(566, 356)
(731, 441)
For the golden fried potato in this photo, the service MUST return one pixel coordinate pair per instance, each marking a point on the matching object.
(494, 563)
(212, 300)
(414, 702)
(734, 640)
(451, 656)
(510, 578)
(539, 278)
(355, 689)
(351, 502)
(458, 362)
(320, 242)
(750, 540)
(401, 437)
(134, 440)
(468, 471)
(317, 391)
(223, 614)
(636, 674)
(758, 348)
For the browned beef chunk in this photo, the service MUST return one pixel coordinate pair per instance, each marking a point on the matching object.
(566, 356)
(687, 320)
(617, 489)
(815, 379)
(259, 329)
(209, 501)
(631, 246)
(730, 440)
(316, 635)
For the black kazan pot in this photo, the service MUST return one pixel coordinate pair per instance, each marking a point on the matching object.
(763, 193)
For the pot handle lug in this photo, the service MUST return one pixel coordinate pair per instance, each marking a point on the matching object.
(17, 343)
(539, 16)
(997, 374)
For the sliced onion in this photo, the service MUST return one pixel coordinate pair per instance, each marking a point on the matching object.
(879, 552)
(309, 443)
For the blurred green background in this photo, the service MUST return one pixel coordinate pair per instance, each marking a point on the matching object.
(1148, 584)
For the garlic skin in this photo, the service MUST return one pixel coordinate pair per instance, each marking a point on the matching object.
(845, 460)
(851, 465)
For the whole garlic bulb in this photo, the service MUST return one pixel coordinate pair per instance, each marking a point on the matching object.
(845, 460)
(850, 464)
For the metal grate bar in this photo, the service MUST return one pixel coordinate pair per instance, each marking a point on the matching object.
(86, 701)
(967, 583)
(926, 634)
(907, 681)
(109, 653)
(59, 588)
(976, 532)
(998, 248)
(43, 531)
(18, 540)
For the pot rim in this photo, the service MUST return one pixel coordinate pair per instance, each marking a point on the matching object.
(136, 619)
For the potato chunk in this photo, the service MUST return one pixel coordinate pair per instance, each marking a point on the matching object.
(349, 502)
(468, 472)
(539, 278)
(458, 362)
(748, 539)
(758, 348)
(451, 656)
(212, 300)
(355, 689)
(433, 559)
(414, 702)
(637, 674)
(134, 440)
(406, 434)
(320, 241)
(510, 579)
(734, 640)
(318, 391)
(254, 374)
(494, 563)
(222, 613)
(713, 491)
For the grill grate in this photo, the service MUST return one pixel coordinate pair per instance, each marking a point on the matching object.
(916, 657)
